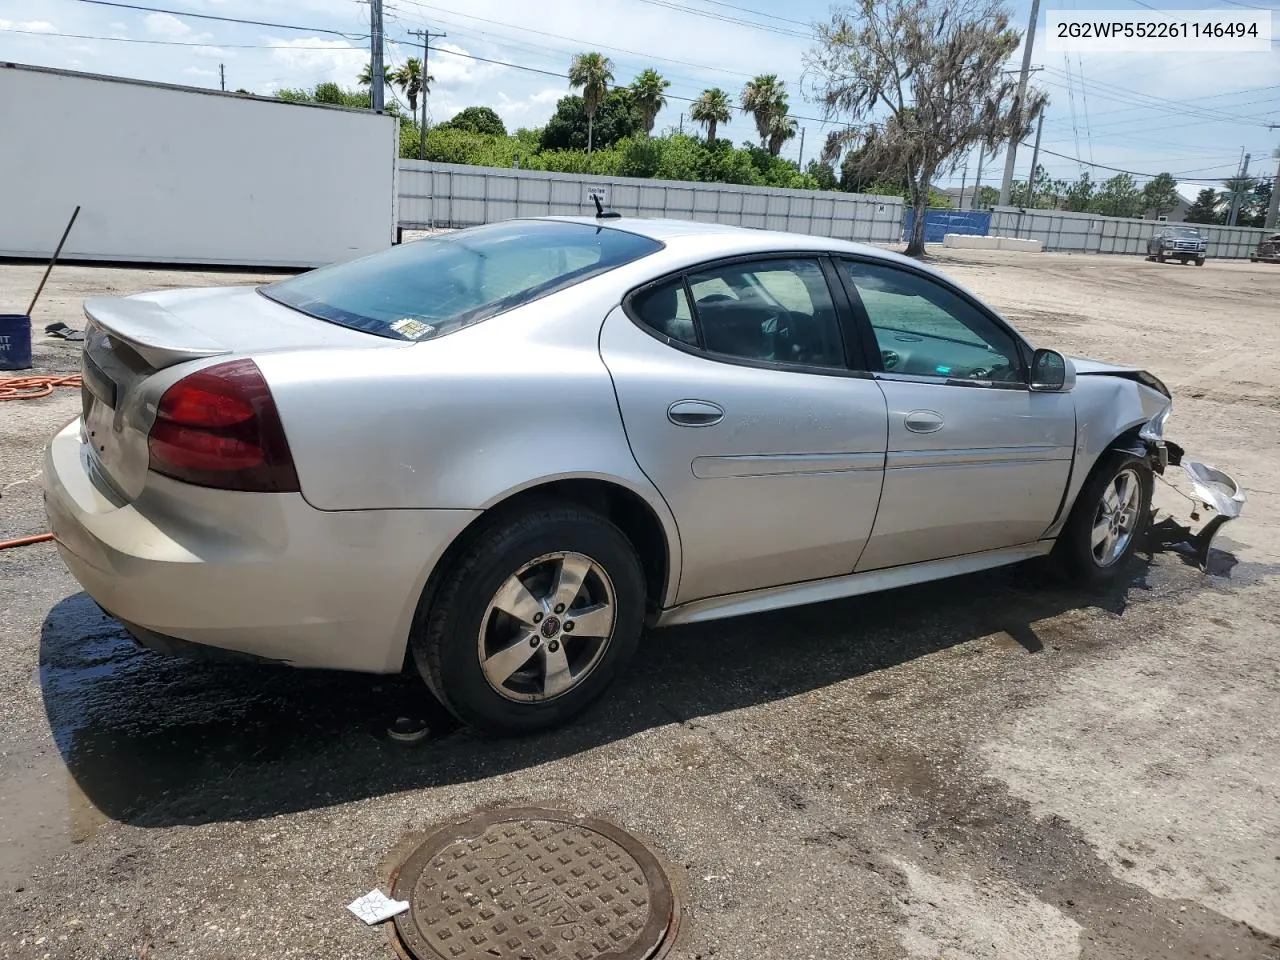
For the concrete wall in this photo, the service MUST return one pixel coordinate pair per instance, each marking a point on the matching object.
(1091, 233)
(173, 174)
(455, 195)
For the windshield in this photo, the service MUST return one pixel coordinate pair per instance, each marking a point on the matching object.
(426, 288)
(1186, 233)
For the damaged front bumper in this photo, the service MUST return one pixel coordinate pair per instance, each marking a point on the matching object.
(1212, 491)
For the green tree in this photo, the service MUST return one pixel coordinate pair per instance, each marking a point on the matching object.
(781, 129)
(411, 82)
(765, 99)
(1205, 207)
(711, 109)
(648, 94)
(1118, 197)
(917, 83)
(986, 197)
(1079, 196)
(1242, 186)
(568, 129)
(592, 73)
(1160, 195)
(1257, 205)
(824, 174)
(365, 79)
(477, 120)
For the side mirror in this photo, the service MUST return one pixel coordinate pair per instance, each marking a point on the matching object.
(1051, 372)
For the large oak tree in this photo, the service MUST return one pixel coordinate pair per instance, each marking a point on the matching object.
(916, 83)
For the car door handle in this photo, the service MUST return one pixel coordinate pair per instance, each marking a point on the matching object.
(695, 413)
(924, 421)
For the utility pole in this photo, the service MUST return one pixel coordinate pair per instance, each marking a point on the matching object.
(800, 163)
(379, 80)
(1235, 194)
(963, 177)
(1035, 160)
(222, 76)
(1273, 208)
(977, 178)
(426, 36)
(682, 123)
(1012, 155)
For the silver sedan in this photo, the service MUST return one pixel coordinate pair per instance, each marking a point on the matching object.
(495, 455)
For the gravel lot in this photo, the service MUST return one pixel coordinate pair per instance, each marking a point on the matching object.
(994, 767)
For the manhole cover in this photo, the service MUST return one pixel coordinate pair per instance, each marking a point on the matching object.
(527, 884)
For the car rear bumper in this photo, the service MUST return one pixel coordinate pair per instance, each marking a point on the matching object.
(266, 575)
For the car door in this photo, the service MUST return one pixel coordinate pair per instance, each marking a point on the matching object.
(742, 401)
(975, 460)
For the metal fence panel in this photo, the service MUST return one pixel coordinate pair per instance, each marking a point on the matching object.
(1094, 233)
(454, 195)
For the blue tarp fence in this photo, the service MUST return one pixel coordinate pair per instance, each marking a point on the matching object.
(938, 223)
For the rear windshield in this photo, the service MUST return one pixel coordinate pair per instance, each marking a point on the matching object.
(426, 288)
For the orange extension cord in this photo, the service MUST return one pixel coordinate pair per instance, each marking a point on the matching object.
(32, 388)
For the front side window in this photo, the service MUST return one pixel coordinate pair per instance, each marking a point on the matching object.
(924, 329)
(426, 288)
(778, 311)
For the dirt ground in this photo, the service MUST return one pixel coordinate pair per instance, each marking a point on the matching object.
(995, 768)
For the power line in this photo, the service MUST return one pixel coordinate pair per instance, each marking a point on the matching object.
(210, 16)
(174, 43)
(780, 31)
(1132, 173)
(575, 40)
(758, 13)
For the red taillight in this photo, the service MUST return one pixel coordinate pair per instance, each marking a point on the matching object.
(220, 428)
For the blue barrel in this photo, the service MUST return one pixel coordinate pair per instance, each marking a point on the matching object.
(15, 341)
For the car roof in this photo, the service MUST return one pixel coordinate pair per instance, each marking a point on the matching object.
(722, 239)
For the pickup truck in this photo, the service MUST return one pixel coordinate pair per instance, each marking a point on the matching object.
(1268, 249)
(1177, 243)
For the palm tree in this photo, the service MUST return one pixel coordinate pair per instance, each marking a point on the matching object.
(764, 98)
(711, 109)
(647, 94)
(781, 129)
(593, 72)
(411, 82)
(366, 76)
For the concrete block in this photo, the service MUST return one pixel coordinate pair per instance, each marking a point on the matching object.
(1022, 246)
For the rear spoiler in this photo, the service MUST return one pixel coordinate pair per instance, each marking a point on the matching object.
(151, 331)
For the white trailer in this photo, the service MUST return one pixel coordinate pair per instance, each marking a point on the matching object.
(173, 174)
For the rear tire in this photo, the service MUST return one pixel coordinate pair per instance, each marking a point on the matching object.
(1110, 518)
(533, 622)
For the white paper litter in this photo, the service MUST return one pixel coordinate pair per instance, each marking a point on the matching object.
(375, 906)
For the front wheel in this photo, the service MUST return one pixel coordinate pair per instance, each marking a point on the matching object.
(1109, 519)
(534, 621)
(1200, 262)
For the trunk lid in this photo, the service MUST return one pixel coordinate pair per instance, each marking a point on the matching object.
(137, 347)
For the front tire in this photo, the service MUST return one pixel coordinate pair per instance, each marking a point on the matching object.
(1110, 518)
(533, 622)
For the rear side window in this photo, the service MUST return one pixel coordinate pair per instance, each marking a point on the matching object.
(773, 311)
(665, 309)
(426, 288)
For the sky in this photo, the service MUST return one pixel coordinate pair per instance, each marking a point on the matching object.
(1190, 114)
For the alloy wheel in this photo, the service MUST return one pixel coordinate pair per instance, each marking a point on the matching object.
(547, 627)
(1116, 518)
